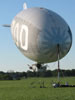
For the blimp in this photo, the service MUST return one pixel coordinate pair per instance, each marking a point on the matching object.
(40, 34)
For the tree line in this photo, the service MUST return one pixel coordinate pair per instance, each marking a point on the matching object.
(47, 73)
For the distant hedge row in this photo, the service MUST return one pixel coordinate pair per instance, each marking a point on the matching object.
(48, 73)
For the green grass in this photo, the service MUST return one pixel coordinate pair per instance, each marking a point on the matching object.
(29, 89)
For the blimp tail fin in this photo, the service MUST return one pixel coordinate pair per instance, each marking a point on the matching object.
(6, 25)
(24, 6)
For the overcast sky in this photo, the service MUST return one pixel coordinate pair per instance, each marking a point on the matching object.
(10, 57)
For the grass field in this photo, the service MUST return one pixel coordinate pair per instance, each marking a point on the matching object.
(29, 89)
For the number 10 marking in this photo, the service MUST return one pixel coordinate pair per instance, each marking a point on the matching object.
(19, 39)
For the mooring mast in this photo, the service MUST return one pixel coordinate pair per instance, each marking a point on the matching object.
(58, 55)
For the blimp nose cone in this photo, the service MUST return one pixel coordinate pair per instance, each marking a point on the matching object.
(49, 40)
